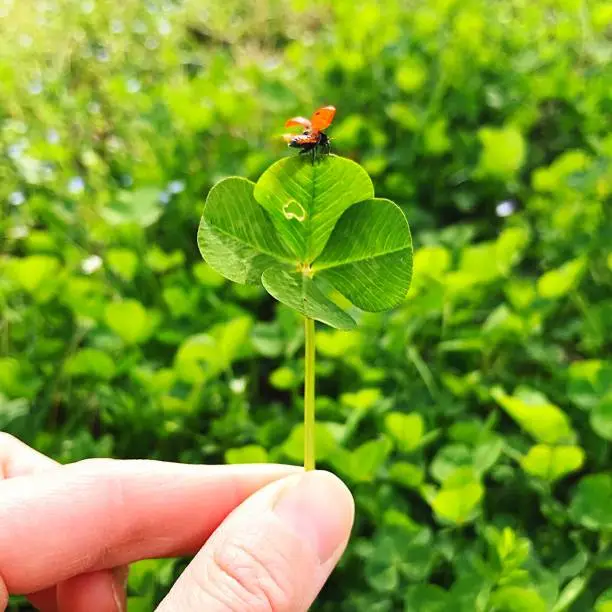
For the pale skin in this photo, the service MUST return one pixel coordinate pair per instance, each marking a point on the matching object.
(265, 537)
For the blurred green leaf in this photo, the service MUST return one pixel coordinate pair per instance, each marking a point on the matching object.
(518, 599)
(555, 283)
(129, 320)
(504, 151)
(91, 362)
(246, 454)
(325, 443)
(406, 474)
(406, 429)
(591, 504)
(122, 262)
(203, 356)
(552, 462)
(141, 207)
(601, 418)
(543, 420)
(284, 378)
(604, 602)
(458, 500)
(426, 598)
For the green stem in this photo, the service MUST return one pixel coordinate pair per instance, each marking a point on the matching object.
(309, 394)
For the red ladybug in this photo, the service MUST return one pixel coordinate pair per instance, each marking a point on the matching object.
(313, 140)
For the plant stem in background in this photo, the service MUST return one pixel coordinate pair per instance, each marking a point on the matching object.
(309, 394)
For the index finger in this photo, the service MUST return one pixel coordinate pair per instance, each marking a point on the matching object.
(18, 459)
(101, 513)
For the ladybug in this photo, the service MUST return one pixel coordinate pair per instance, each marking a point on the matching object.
(312, 140)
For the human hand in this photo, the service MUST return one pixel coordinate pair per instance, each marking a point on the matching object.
(67, 533)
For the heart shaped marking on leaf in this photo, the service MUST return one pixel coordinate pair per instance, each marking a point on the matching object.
(294, 210)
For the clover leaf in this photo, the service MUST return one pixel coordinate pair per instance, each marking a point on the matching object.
(304, 228)
(302, 231)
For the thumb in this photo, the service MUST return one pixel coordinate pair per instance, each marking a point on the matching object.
(271, 554)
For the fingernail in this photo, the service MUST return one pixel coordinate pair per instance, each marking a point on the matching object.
(120, 577)
(319, 507)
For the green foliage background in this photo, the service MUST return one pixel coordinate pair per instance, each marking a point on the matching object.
(473, 423)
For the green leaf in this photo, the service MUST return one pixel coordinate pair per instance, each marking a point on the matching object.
(91, 362)
(601, 418)
(591, 504)
(543, 420)
(517, 599)
(160, 261)
(141, 206)
(364, 463)
(406, 429)
(556, 283)
(338, 343)
(362, 400)
(35, 271)
(246, 454)
(305, 200)
(236, 236)
(129, 320)
(449, 459)
(325, 443)
(503, 151)
(308, 230)
(406, 474)
(552, 462)
(426, 598)
(571, 591)
(399, 552)
(458, 500)
(207, 275)
(589, 382)
(410, 74)
(369, 458)
(300, 292)
(486, 454)
(122, 262)
(203, 356)
(604, 602)
(368, 258)
(11, 410)
(284, 378)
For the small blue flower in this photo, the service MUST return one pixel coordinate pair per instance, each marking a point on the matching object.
(176, 186)
(505, 208)
(17, 198)
(76, 185)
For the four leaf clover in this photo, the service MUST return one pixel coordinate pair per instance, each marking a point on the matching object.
(306, 230)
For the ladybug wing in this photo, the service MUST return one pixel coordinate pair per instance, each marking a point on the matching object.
(301, 121)
(323, 117)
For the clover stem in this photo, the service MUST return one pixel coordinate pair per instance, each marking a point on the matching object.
(309, 394)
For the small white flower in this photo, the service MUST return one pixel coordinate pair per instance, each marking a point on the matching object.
(76, 185)
(176, 186)
(53, 136)
(133, 85)
(505, 208)
(35, 87)
(18, 232)
(91, 264)
(163, 27)
(238, 385)
(16, 198)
